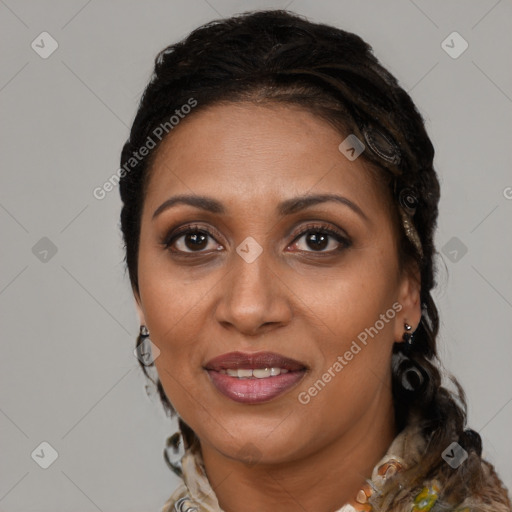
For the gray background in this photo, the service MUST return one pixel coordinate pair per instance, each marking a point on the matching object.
(68, 322)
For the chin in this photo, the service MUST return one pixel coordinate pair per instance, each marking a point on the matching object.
(257, 444)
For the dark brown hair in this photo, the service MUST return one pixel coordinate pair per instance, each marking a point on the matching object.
(277, 56)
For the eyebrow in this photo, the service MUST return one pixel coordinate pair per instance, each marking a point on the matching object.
(287, 207)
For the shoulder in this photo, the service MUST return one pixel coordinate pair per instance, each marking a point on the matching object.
(429, 482)
(466, 489)
(491, 496)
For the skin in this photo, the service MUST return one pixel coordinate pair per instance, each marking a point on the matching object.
(294, 299)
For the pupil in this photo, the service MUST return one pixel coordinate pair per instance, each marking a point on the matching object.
(319, 240)
(199, 241)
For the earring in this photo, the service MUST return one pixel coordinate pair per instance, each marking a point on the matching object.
(412, 379)
(407, 336)
(173, 452)
(146, 351)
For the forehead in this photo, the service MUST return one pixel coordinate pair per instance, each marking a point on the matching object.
(249, 155)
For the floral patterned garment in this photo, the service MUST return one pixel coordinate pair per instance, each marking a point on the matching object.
(194, 494)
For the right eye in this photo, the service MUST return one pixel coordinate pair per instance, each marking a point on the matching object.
(194, 238)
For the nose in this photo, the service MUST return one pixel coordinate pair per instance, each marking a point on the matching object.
(254, 297)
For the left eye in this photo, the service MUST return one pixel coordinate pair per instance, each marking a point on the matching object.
(318, 238)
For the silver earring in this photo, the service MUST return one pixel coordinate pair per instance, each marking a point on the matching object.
(144, 351)
(407, 336)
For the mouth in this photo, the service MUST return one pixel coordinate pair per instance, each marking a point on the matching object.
(254, 378)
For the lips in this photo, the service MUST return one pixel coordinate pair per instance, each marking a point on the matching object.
(241, 360)
(275, 374)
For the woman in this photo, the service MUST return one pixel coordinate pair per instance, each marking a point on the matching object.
(279, 208)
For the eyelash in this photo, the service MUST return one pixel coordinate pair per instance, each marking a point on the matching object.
(310, 228)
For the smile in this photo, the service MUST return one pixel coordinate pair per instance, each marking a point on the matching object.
(253, 378)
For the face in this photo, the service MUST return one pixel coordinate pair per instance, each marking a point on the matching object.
(317, 284)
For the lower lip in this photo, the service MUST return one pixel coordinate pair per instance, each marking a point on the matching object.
(254, 390)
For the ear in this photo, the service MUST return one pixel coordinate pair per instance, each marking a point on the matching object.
(140, 308)
(409, 299)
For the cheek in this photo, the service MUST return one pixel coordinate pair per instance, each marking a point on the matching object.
(357, 312)
(354, 373)
(175, 316)
(351, 298)
(173, 302)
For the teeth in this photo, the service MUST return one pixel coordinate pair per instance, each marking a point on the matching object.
(259, 373)
(262, 374)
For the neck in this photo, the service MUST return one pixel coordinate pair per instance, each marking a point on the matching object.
(323, 481)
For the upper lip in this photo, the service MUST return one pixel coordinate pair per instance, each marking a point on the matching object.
(243, 360)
